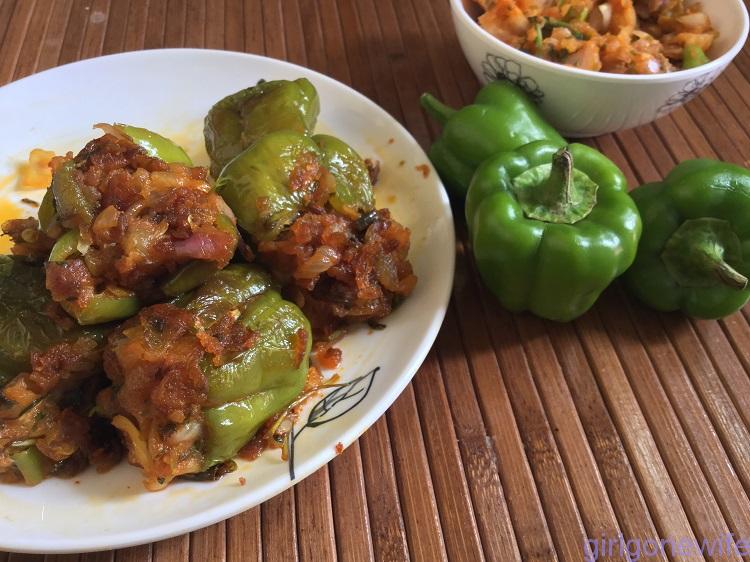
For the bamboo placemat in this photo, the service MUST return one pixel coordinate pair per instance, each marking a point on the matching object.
(518, 438)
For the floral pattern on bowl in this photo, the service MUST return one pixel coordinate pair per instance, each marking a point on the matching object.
(498, 68)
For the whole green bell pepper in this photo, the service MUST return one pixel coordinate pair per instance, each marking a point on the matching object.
(501, 119)
(241, 119)
(260, 383)
(551, 228)
(696, 240)
(243, 390)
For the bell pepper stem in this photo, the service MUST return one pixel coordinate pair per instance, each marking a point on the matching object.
(437, 109)
(730, 276)
(556, 190)
(699, 252)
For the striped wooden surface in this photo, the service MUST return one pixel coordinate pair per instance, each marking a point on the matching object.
(518, 439)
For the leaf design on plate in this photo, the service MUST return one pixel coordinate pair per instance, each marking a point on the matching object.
(341, 400)
(334, 405)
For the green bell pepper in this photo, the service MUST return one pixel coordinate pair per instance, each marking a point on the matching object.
(551, 228)
(696, 240)
(263, 381)
(47, 213)
(243, 390)
(247, 390)
(270, 182)
(241, 119)
(74, 206)
(501, 119)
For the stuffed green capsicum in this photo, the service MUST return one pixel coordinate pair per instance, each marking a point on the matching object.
(696, 240)
(195, 379)
(49, 375)
(551, 228)
(308, 205)
(121, 227)
(240, 119)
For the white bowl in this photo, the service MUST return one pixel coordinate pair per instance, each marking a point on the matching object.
(582, 103)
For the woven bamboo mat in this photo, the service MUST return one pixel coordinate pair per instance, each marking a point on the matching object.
(517, 438)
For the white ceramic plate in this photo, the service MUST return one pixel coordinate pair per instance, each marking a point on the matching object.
(170, 91)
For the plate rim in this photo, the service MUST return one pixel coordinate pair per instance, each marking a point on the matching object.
(241, 503)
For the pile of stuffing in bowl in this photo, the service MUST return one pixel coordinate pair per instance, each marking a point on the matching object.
(619, 36)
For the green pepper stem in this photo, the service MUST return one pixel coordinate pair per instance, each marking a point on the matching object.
(439, 111)
(699, 253)
(556, 190)
(730, 276)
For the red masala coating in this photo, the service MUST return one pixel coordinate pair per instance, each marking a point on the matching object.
(70, 281)
(153, 360)
(50, 404)
(60, 367)
(341, 271)
(307, 169)
(28, 240)
(63, 363)
(226, 337)
(325, 356)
